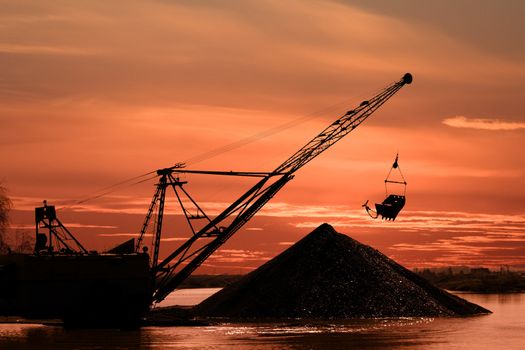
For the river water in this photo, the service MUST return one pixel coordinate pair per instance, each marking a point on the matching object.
(504, 329)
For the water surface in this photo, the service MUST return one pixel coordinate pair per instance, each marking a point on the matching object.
(504, 329)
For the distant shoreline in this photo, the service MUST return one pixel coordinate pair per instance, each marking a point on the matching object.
(476, 280)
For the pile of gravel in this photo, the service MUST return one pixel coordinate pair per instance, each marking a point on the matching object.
(330, 275)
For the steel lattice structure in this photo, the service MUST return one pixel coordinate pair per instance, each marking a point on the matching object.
(177, 266)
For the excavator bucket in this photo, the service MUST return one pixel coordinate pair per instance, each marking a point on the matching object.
(390, 207)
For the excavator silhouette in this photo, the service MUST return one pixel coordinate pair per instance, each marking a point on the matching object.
(62, 279)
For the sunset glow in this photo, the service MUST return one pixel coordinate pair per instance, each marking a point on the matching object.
(95, 93)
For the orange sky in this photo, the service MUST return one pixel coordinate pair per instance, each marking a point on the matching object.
(93, 93)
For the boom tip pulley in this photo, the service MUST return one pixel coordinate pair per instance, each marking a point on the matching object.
(407, 78)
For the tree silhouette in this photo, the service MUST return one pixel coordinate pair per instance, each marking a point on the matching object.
(5, 206)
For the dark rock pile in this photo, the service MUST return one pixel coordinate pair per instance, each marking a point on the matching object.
(330, 275)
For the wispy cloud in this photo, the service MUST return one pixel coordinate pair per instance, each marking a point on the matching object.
(42, 50)
(66, 224)
(309, 216)
(482, 123)
(425, 221)
(136, 235)
(174, 239)
(122, 235)
(238, 256)
(471, 251)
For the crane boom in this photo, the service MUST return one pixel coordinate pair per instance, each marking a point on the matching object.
(340, 128)
(176, 267)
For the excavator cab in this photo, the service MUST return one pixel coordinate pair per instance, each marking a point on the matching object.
(393, 203)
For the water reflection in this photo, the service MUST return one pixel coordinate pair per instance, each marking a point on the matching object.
(187, 297)
(501, 330)
(55, 337)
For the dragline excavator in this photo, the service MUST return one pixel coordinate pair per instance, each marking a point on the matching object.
(170, 272)
(62, 279)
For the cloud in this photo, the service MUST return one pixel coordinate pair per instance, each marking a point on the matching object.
(499, 38)
(122, 235)
(238, 256)
(174, 239)
(42, 50)
(66, 224)
(471, 251)
(423, 221)
(311, 216)
(482, 123)
(167, 239)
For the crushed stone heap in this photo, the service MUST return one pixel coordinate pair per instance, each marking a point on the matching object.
(330, 275)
